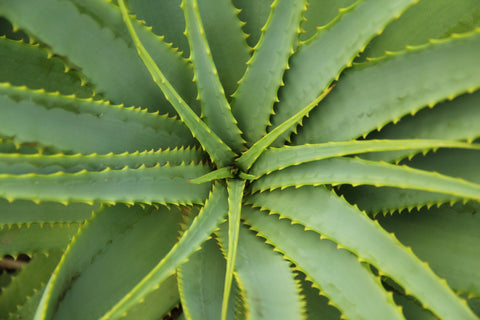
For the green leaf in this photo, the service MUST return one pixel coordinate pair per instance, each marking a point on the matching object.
(84, 126)
(224, 33)
(393, 199)
(21, 60)
(201, 281)
(159, 184)
(235, 190)
(115, 254)
(332, 217)
(35, 238)
(166, 19)
(317, 305)
(453, 120)
(319, 13)
(94, 38)
(253, 101)
(221, 173)
(446, 238)
(337, 273)
(410, 28)
(215, 107)
(319, 61)
(254, 15)
(46, 164)
(373, 94)
(30, 279)
(357, 171)
(269, 289)
(212, 214)
(158, 303)
(280, 158)
(27, 212)
(220, 153)
(249, 157)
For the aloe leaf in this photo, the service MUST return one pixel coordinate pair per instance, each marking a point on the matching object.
(117, 230)
(27, 310)
(158, 304)
(30, 279)
(166, 19)
(411, 308)
(410, 28)
(249, 157)
(224, 33)
(159, 184)
(453, 120)
(368, 97)
(221, 173)
(14, 163)
(34, 238)
(21, 60)
(220, 153)
(269, 289)
(280, 158)
(332, 217)
(86, 126)
(317, 305)
(319, 13)
(201, 280)
(337, 273)
(212, 214)
(113, 67)
(215, 107)
(235, 195)
(443, 237)
(392, 199)
(12, 32)
(307, 78)
(254, 15)
(27, 212)
(252, 103)
(357, 171)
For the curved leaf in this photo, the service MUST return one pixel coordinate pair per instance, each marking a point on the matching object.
(212, 214)
(370, 95)
(331, 216)
(269, 289)
(159, 184)
(252, 103)
(215, 108)
(337, 273)
(220, 153)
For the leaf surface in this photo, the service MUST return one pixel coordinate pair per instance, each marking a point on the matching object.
(159, 184)
(113, 255)
(280, 158)
(220, 153)
(84, 126)
(34, 238)
(446, 238)
(269, 289)
(113, 67)
(21, 60)
(215, 108)
(211, 215)
(319, 61)
(331, 216)
(357, 171)
(336, 272)
(252, 103)
(372, 94)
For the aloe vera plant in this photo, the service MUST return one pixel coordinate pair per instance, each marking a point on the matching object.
(322, 164)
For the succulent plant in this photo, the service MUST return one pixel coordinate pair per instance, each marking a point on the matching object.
(322, 164)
